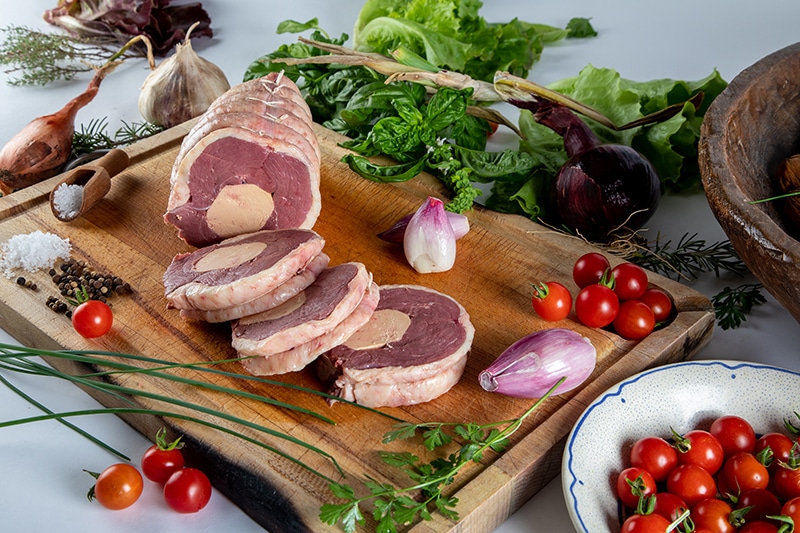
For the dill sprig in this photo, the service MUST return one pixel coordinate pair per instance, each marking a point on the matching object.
(39, 58)
(398, 506)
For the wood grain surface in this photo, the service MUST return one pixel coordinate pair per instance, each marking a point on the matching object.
(125, 234)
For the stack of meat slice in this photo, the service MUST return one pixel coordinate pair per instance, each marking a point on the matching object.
(251, 162)
(413, 349)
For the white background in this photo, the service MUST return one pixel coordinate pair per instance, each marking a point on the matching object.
(42, 487)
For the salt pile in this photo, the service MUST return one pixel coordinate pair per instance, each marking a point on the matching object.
(67, 199)
(33, 251)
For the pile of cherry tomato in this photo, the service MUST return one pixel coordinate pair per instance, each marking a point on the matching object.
(186, 490)
(725, 479)
(616, 297)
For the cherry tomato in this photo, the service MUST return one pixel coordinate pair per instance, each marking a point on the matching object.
(762, 503)
(596, 306)
(786, 482)
(589, 268)
(691, 483)
(117, 487)
(734, 433)
(742, 471)
(659, 302)
(645, 523)
(714, 514)
(792, 509)
(630, 281)
(669, 505)
(551, 301)
(634, 320)
(780, 448)
(632, 483)
(162, 459)
(655, 455)
(700, 448)
(187, 491)
(759, 526)
(92, 318)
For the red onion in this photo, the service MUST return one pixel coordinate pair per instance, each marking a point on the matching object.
(532, 365)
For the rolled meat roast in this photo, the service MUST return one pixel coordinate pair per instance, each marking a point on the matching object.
(413, 349)
(251, 162)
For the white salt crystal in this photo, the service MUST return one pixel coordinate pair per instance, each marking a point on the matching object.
(67, 199)
(32, 251)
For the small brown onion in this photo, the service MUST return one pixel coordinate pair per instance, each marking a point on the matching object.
(532, 365)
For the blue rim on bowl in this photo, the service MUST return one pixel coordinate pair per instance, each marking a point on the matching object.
(680, 395)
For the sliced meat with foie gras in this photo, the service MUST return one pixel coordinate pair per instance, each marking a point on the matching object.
(272, 299)
(250, 163)
(300, 356)
(413, 349)
(315, 311)
(240, 269)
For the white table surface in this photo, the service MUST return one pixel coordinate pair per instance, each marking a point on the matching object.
(42, 486)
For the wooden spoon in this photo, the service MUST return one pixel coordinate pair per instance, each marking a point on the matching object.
(94, 178)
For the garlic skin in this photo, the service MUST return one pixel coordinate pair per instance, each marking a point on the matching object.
(429, 242)
(181, 87)
(533, 364)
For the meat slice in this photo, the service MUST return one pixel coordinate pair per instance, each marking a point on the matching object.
(317, 310)
(300, 356)
(413, 349)
(272, 299)
(251, 162)
(240, 269)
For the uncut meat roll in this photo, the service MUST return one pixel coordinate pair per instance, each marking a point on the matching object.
(413, 349)
(240, 269)
(272, 299)
(300, 356)
(315, 311)
(251, 162)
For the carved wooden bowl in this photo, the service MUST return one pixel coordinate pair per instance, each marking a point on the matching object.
(748, 130)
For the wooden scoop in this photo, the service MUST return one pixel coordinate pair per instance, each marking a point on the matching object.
(95, 180)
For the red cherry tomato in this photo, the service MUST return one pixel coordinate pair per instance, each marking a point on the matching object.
(92, 319)
(759, 526)
(762, 503)
(669, 506)
(655, 455)
(786, 482)
(645, 523)
(630, 281)
(691, 483)
(713, 514)
(596, 306)
(117, 487)
(791, 509)
(700, 448)
(162, 459)
(742, 471)
(551, 301)
(634, 320)
(589, 268)
(659, 302)
(187, 491)
(780, 448)
(734, 433)
(632, 483)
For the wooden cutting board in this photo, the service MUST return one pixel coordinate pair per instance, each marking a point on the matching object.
(125, 235)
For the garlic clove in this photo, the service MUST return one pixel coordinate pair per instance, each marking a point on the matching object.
(182, 87)
(429, 242)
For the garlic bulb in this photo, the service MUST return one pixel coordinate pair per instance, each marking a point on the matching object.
(429, 242)
(181, 87)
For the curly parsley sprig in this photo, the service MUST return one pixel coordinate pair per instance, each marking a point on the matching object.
(398, 506)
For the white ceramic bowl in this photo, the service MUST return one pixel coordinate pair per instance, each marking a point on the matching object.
(683, 396)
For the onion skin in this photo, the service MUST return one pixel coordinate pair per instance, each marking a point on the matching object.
(532, 365)
(606, 187)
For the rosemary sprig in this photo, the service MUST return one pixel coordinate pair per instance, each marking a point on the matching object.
(397, 506)
(732, 305)
(690, 257)
(95, 136)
